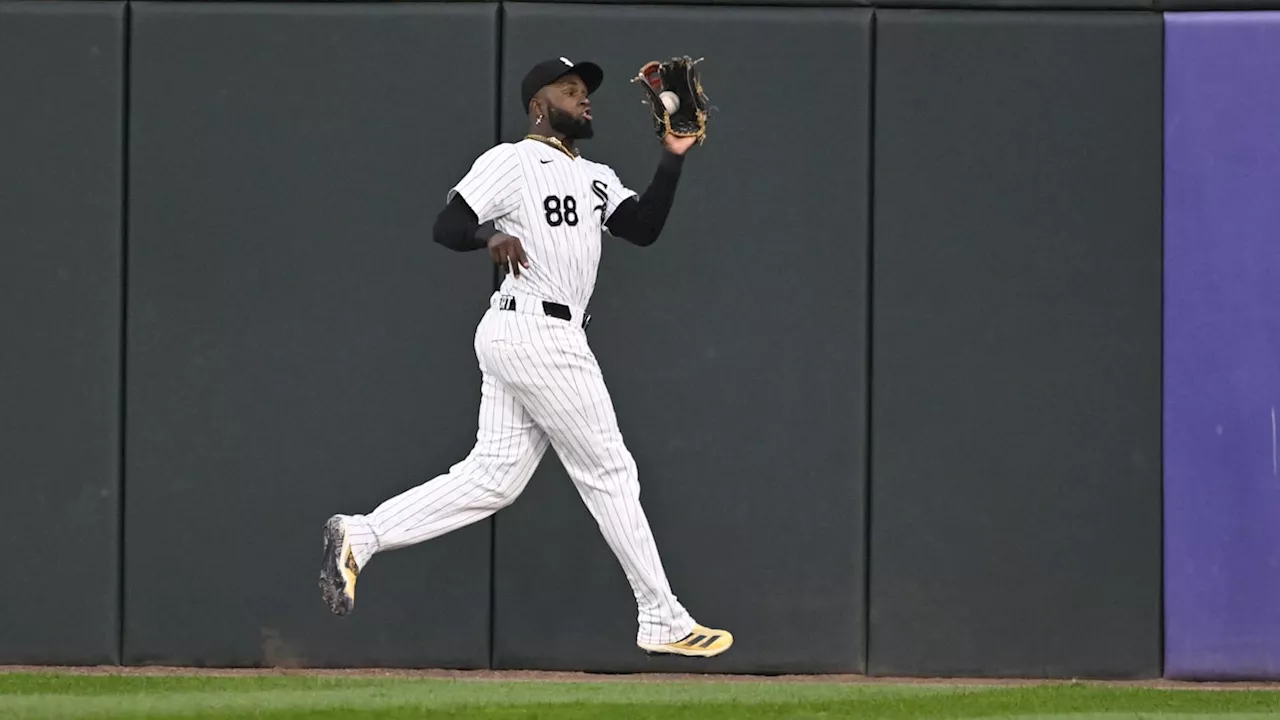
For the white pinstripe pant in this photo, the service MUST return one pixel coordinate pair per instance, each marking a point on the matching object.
(542, 385)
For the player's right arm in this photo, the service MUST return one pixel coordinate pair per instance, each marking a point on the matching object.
(489, 190)
(458, 228)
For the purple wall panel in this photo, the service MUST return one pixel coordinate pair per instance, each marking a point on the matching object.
(1222, 345)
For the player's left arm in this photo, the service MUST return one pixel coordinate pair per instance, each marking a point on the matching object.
(639, 220)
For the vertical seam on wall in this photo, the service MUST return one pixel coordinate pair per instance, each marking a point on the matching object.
(1164, 69)
(493, 520)
(870, 283)
(122, 387)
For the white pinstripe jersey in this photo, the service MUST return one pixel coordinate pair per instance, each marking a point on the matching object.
(555, 205)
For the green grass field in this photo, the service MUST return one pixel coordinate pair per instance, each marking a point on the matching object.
(48, 695)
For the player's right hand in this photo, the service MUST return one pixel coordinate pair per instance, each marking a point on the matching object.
(507, 250)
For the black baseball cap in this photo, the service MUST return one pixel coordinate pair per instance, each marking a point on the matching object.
(549, 71)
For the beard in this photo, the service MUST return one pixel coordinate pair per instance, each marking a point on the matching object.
(571, 127)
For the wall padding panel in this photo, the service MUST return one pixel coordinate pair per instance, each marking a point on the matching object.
(297, 345)
(1222, 342)
(734, 349)
(1041, 5)
(1015, 481)
(61, 175)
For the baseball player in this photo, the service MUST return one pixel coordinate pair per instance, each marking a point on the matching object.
(541, 383)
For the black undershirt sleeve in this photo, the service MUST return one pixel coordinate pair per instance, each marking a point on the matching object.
(640, 221)
(458, 228)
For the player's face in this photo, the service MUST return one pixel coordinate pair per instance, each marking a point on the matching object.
(569, 109)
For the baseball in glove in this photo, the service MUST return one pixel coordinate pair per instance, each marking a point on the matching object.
(673, 92)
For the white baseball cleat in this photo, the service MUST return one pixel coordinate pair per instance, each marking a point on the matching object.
(702, 642)
(338, 569)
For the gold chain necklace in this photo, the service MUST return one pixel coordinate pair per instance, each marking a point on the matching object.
(553, 142)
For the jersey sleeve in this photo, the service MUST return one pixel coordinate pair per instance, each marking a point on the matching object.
(492, 186)
(614, 191)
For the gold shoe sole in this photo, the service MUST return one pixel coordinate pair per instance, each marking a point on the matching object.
(691, 645)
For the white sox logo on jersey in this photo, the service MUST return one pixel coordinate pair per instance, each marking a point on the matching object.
(601, 191)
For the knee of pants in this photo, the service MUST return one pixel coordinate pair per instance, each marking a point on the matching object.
(502, 478)
(614, 473)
